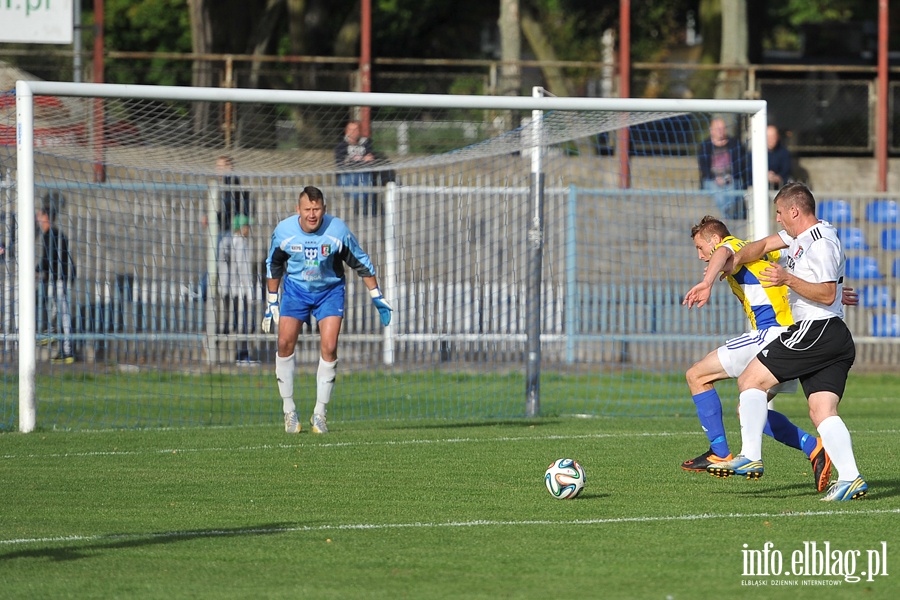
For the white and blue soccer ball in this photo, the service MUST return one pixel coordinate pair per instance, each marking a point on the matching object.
(564, 478)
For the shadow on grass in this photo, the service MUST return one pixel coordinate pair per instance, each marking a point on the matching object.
(591, 497)
(878, 489)
(118, 541)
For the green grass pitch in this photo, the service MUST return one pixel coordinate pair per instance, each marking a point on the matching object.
(415, 508)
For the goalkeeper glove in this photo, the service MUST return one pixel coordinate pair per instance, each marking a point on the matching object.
(272, 312)
(384, 309)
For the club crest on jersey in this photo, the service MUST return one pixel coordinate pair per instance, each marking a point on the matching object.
(325, 250)
(792, 260)
(310, 253)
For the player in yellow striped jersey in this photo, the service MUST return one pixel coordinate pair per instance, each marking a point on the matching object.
(769, 314)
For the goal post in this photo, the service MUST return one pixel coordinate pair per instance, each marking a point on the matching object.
(458, 235)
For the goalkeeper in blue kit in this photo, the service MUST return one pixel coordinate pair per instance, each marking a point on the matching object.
(308, 253)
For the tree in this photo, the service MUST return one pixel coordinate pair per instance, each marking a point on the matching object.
(510, 48)
(542, 47)
(574, 30)
(234, 26)
(734, 48)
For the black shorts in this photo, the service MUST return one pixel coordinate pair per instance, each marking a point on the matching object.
(819, 353)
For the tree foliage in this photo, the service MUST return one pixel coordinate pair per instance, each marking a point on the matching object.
(400, 28)
(801, 12)
(148, 25)
(436, 28)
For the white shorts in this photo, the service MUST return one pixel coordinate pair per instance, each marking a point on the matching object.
(737, 353)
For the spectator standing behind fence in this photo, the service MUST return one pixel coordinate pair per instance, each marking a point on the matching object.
(724, 168)
(779, 159)
(236, 287)
(55, 270)
(351, 154)
(235, 201)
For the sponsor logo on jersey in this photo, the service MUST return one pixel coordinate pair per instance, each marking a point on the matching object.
(310, 253)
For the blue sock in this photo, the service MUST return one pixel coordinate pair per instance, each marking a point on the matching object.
(781, 428)
(709, 411)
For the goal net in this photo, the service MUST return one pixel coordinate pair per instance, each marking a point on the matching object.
(535, 251)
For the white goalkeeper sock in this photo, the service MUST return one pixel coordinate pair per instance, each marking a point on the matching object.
(324, 384)
(284, 373)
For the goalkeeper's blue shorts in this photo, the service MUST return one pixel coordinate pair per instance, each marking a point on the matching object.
(299, 303)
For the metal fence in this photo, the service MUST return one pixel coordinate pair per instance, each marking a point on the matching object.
(145, 292)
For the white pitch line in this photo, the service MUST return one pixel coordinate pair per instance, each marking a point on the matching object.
(414, 442)
(350, 444)
(451, 524)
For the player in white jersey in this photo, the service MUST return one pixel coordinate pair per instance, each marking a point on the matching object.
(818, 349)
(769, 315)
(308, 253)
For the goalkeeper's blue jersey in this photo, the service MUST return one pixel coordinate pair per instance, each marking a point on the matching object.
(765, 307)
(315, 261)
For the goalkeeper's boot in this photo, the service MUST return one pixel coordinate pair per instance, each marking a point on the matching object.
(846, 490)
(291, 422)
(318, 423)
(703, 461)
(739, 465)
(821, 466)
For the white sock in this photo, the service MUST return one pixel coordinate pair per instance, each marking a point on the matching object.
(754, 412)
(836, 440)
(284, 372)
(324, 384)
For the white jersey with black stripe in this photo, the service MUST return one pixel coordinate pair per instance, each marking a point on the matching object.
(816, 256)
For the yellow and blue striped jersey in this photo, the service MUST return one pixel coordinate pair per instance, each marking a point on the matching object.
(765, 307)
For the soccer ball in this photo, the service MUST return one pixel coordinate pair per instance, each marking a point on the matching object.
(564, 478)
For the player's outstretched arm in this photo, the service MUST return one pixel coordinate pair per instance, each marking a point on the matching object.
(719, 263)
(697, 295)
(755, 251)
